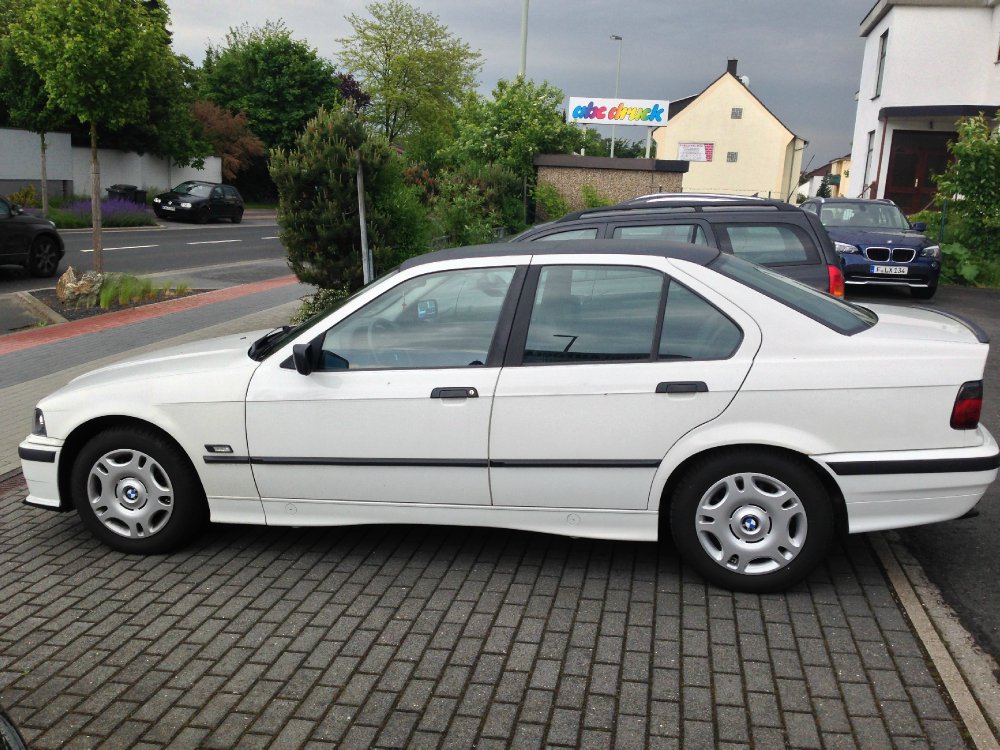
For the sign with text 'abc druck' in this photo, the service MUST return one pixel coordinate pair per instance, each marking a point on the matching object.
(649, 112)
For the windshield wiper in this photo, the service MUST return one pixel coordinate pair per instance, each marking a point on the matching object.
(257, 346)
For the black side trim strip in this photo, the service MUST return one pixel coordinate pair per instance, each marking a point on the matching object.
(576, 464)
(219, 458)
(929, 466)
(475, 463)
(36, 454)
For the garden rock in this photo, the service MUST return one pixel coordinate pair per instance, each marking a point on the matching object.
(72, 289)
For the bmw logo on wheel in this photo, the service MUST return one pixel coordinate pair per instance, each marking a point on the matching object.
(750, 524)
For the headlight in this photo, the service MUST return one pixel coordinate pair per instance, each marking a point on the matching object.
(52, 224)
(156, 200)
(185, 205)
(931, 251)
(38, 428)
(843, 247)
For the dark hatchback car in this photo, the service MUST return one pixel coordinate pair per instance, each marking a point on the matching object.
(201, 202)
(768, 232)
(878, 245)
(29, 241)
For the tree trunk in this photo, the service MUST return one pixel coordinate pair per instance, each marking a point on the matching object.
(45, 179)
(95, 200)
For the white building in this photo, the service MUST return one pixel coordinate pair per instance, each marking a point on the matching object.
(927, 63)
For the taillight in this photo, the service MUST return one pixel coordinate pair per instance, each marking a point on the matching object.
(836, 281)
(968, 406)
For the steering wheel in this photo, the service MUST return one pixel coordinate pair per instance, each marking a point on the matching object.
(377, 329)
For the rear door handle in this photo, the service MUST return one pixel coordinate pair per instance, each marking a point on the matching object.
(682, 386)
(454, 393)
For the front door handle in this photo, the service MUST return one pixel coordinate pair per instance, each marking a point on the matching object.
(454, 393)
(682, 386)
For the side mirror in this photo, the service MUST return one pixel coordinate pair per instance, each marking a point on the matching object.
(302, 357)
(15, 210)
(920, 226)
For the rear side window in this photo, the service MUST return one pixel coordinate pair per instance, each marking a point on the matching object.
(767, 244)
(675, 232)
(589, 233)
(841, 316)
(231, 193)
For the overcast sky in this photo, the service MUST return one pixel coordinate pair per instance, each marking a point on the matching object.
(803, 57)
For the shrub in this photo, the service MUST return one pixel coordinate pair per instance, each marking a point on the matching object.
(592, 198)
(549, 204)
(26, 197)
(969, 267)
(115, 212)
(321, 301)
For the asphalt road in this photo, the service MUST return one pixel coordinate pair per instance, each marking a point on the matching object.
(247, 248)
(961, 556)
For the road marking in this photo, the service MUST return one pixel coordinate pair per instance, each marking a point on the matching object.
(123, 247)
(213, 242)
(271, 238)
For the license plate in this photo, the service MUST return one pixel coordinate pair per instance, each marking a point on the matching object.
(169, 208)
(889, 269)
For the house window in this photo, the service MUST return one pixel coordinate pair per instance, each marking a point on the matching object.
(732, 156)
(883, 42)
(737, 113)
(868, 159)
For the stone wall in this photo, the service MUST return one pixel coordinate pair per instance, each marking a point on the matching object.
(617, 180)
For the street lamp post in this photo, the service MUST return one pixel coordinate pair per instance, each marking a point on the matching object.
(618, 78)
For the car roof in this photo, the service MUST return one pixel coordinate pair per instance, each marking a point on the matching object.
(699, 254)
(881, 201)
(660, 203)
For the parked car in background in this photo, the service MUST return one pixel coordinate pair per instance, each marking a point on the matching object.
(878, 245)
(29, 241)
(769, 232)
(201, 202)
(592, 389)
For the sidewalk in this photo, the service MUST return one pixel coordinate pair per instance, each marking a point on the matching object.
(384, 636)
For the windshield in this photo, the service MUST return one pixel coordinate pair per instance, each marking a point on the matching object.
(271, 342)
(841, 316)
(862, 214)
(194, 188)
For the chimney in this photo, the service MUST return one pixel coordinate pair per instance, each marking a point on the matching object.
(731, 67)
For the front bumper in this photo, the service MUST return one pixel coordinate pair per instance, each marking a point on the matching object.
(920, 273)
(40, 465)
(896, 489)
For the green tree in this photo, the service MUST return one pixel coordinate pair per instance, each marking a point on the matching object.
(973, 177)
(522, 120)
(318, 201)
(278, 82)
(28, 105)
(97, 60)
(415, 70)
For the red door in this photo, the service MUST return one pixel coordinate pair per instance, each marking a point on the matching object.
(915, 159)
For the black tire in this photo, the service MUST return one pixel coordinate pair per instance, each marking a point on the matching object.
(238, 216)
(169, 506)
(44, 257)
(924, 292)
(727, 513)
(202, 216)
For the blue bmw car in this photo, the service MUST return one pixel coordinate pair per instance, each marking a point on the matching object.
(878, 245)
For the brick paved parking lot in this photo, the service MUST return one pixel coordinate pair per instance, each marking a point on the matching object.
(440, 637)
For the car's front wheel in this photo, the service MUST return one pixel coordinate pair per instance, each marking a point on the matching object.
(136, 492)
(923, 292)
(43, 259)
(238, 216)
(751, 520)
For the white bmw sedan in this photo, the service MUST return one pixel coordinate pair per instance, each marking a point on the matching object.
(590, 389)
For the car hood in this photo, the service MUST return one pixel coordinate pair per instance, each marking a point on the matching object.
(186, 197)
(879, 237)
(218, 357)
(921, 324)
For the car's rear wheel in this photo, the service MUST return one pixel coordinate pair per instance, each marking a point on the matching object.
(43, 259)
(238, 216)
(136, 492)
(923, 292)
(751, 520)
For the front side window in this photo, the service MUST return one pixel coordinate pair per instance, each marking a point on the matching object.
(692, 233)
(445, 319)
(590, 233)
(769, 244)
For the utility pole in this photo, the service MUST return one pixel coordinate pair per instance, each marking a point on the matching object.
(524, 38)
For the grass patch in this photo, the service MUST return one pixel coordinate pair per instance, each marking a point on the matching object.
(124, 289)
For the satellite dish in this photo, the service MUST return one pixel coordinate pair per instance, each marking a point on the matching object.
(745, 80)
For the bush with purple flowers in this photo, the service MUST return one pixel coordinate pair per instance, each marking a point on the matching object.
(115, 212)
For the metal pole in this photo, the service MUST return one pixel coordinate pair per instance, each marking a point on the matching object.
(618, 78)
(649, 139)
(524, 38)
(366, 262)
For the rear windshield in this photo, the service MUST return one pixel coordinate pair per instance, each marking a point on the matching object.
(841, 316)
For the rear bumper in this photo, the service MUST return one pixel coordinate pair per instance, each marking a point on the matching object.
(40, 465)
(896, 489)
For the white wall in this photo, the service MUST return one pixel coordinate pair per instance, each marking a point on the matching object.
(20, 155)
(936, 55)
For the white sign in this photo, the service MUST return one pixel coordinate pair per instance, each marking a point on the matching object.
(695, 151)
(649, 112)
